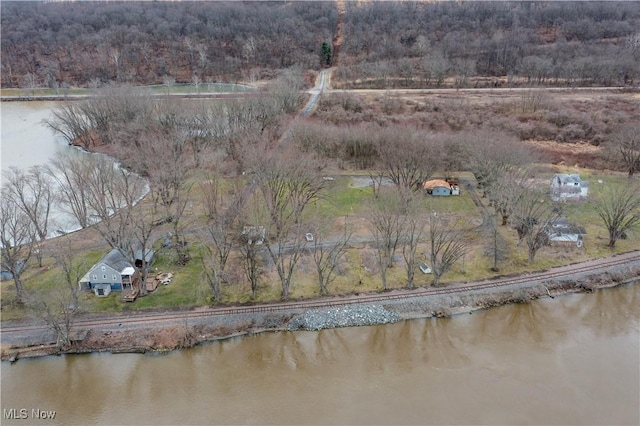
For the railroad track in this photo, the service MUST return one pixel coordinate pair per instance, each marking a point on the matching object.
(335, 301)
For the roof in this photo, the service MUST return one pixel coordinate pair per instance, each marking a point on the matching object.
(563, 230)
(129, 270)
(116, 259)
(430, 184)
(149, 256)
(570, 178)
(565, 238)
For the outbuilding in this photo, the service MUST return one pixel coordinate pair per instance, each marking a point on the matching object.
(568, 187)
(440, 187)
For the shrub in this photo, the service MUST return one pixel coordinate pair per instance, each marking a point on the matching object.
(571, 133)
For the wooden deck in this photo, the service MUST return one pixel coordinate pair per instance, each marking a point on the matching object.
(130, 295)
(151, 284)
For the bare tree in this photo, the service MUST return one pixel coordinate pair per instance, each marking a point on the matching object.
(619, 209)
(386, 226)
(161, 155)
(221, 234)
(114, 53)
(29, 83)
(377, 178)
(71, 174)
(143, 223)
(327, 255)
(625, 148)
(202, 56)
(168, 82)
(252, 240)
(205, 128)
(496, 247)
(287, 183)
(112, 192)
(533, 217)
(118, 114)
(406, 158)
(505, 192)
(72, 268)
(451, 154)
(71, 122)
(215, 263)
(490, 155)
(58, 308)
(17, 238)
(447, 244)
(175, 213)
(196, 82)
(285, 90)
(436, 67)
(108, 116)
(412, 235)
(34, 196)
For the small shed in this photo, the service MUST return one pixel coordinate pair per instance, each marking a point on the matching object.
(149, 258)
(440, 187)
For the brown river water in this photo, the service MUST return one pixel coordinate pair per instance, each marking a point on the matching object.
(571, 360)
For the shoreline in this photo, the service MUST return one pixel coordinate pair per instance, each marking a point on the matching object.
(191, 333)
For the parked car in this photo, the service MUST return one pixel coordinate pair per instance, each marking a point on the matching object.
(308, 236)
(425, 268)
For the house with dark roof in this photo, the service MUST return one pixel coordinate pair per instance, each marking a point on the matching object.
(568, 187)
(114, 272)
(563, 232)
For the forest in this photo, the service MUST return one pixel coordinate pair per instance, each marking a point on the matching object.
(372, 44)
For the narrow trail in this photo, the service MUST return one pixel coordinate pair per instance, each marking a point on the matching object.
(341, 5)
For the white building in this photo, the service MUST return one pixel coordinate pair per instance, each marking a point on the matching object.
(568, 187)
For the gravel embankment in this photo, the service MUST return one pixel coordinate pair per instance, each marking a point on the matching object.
(343, 316)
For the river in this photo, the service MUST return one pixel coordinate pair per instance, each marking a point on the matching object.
(571, 360)
(26, 142)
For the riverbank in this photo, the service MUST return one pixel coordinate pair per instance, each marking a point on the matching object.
(184, 332)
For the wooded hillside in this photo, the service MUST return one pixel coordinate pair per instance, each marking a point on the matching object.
(381, 44)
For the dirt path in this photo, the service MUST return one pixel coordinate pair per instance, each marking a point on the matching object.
(341, 5)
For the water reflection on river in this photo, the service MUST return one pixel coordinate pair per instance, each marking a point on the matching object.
(572, 360)
(26, 141)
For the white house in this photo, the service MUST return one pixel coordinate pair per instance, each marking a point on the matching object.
(568, 187)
